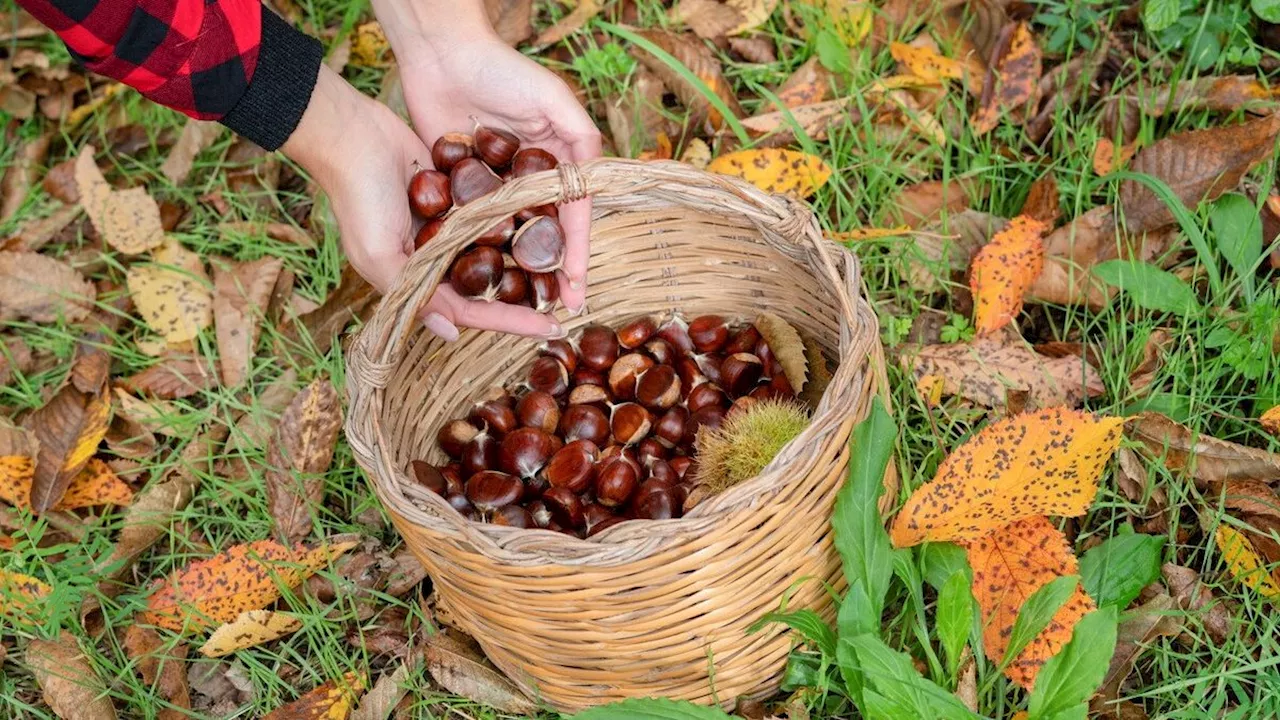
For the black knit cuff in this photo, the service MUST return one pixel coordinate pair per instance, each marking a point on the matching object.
(288, 65)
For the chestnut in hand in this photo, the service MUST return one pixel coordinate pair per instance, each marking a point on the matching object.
(496, 146)
(429, 194)
(539, 245)
(477, 273)
(531, 160)
(451, 149)
(471, 180)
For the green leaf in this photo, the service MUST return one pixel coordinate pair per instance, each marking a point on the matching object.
(892, 674)
(1268, 10)
(1238, 230)
(1149, 286)
(651, 709)
(940, 560)
(860, 537)
(954, 617)
(1079, 712)
(1158, 15)
(806, 622)
(832, 52)
(803, 670)
(879, 707)
(1036, 613)
(1074, 674)
(1114, 572)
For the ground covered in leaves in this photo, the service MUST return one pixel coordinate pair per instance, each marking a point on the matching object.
(1059, 206)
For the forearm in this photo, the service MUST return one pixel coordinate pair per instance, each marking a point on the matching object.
(431, 25)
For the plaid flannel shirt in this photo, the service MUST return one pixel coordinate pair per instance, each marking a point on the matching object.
(227, 60)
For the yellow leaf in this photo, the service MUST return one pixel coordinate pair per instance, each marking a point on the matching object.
(1017, 80)
(20, 594)
(251, 628)
(1270, 421)
(1009, 565)
(1244, 563)
(929, 387)
(926, 63)
(1003, 270)
(869, 234)
(1106, 159)
(754, 13)
(326, 552)
(1038, 463)
(127, 220)
(697, 153)
(96, 484)
(176, 302)
(900, 82)
(369, 46)
(18, 450)
(775, 170)
(851, 19)
(332, 700)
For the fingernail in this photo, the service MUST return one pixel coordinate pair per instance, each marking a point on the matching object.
(576, 311)
(556, 332)
(575, 284)
(441, 326)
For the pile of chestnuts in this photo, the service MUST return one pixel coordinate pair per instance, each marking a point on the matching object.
(604, 428)
(515, 261)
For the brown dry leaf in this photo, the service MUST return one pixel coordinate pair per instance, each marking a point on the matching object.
(176, 376)
(569, 24)
(946, 248)
(1042, 201)
(511, 19)
(757, 49)
(1270, 420)
(41, 289)
(787, 347)
(819, 373)
(387, 692)
(299, 456)
(1072, 250)
(815, 120)
(68, 683)
(808, 85)
(1153, 355)
(332, 700)
(96, 484)
(1106, 159)
(1198, 166)
(352, 299)
(147, 417)
(1045, 462)
(712, 19)
(38, 232)
(1017, 78)
(1251, 497)
(284, 232)
(1192, 595)
(197, 135)
(987, 369)
(700, 61)
(1009, 565)
(69, 429)
(870, 233)
(926, 202)
(1158, 617)
(172, 295)
(636, 118)
(16, 359)
(161, 667)
(22, 174)
(127, 220)
(476, 681)
(1208, 459)
(256, 424)
(250, 629)
(1243, 562)
(1227, 93)
(241, 294)
(61, 183)
(1002, 272)
(774, 170)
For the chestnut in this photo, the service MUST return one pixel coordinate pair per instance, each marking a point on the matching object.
(430, 477)
(499, 394)
(549, 376)
(658, 505)
(451, 149)
(681, 465)
(513, 288)
(711, 416)
(598, 347)
(659, 387)
(534, 487)
(630, 423)
(538, 246)
(660, 470)
(594, 513)
(676, 332)
(615, 482)
(780, 386)
(705, 395)
(711, 365)
(494, 415)
(471, 180)
(526, 214)
(744, 341)
(454, 436)
(739, 373)
(761, 392)
(513, 516)
(588, 376)
(585, 422)
(708, 333)
(661, 352)
(429, 230)
(765, 354)
(496, 146)
(620, 452)
(589, 395)
(564, 506)
(540, 514)
(669, 430)
(452, 478)
(650, 448)
(459, 502)
(539, 410)
(429, 194)
(605, 525)
(490, 490)
(477, 273)
(525, 451)
(625, 374)
(545, 291)
(741, 405)
(636, 333)
(480, 454)
(573, 466)
(531, 160)
(562, 350)
(499, 234)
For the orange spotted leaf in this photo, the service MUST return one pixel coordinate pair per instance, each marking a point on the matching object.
(17, 465)
(332, 700)
(1270, 421)
(1244, 562)
(20, 594)
(1017, 76)
(1009, 565)
(925, 63)
(1003, 270)
(96, 484)
(775, 170)
(1045, 462)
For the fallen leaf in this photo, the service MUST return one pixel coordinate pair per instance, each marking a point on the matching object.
(702, 63)
(69, 429)
(1225, 94)
(1002, 272)
(758, 49)
(387, 692)
(987, 369)
(1017, 78)
(42, 289)
(1045, 462)
(68, 683)
(353, 298)
(22, 174)
(1243, 562)
(697, 153)
(815, 120)
(197, 135)
(775, 170)
(926, 64)
(1193, 596)
(255, 426)
(636, 117)
(16, 359)
(282, 231)
(712, 19)
(1158, 617)
(473, 680)
(808, 85)
(926, 202)
(863, 234)
(787, 348)
(332, 700)
(299, 456)
(1009, 565)
(1207, 459)
(175, 376)
(95, 485)
(369, 46)
(1042, 201)
(851, 18)
(35, 233)
(511, 19)
(1106, 159)
(241, 294)
(21, 595)
(569, 24)
(1198, 166)
(127, 220)
(1270, 420)
(947, 247)
(161, 667)
(1251, 497)
(175, 303)
(146, 417)
(1073, 250)
(250, 629)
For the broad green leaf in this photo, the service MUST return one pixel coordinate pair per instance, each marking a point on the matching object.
(1114, 572)
(651, 709)
(892, 674)
(832, 52)
(807, 623)
(1238, 231)
(1074, 674)
(1079, 712)
(803, 670)
(954, 617)
(1158, 15)
(1036, 613)
(1268, 10)
(940, 560)
(879, 707)
(1149, 286)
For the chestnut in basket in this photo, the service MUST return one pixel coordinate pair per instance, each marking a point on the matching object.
(451, 149)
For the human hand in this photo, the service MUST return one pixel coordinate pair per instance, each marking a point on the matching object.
(366, 176)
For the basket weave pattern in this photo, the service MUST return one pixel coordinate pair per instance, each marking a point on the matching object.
(651, 608)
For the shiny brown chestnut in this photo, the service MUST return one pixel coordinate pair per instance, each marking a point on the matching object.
(740, 405)
(630, 423)
(499, 234)
(594, 513)
(531, 160)
(525, 451)
(564, 506)
(676, 332)
(761, 392)
(490, 490)
(459, 502)
(480, 454)
(429, 194)
(681, 465)
(637, 332)
(780, 387)
(765, 353)
(430, 477)
(711, 364)
(739, 373)
(709, 333)
(743, 341)
(477, 273)
(513, 289)
(705, 395)
(545, 291)
(662, 471)
(429, 229)
(451, 149)
(539, 410)
(598, 347)
(454, 436)
(496, 146)
(711, 416)
(650, 448)
(471, 180)
(453, 478)
(585, 422)
(615, 483)
(589, 395)
(661, 352)
(658, 387)
(549, 376)
(625, 374)
(605, 525)
(587, 376)
(669, 430)
(534, 487)
(562, 350)
(540, 514)
(495, 415)
(539, 245)
(513, 516)
(573, 466)
(524, 215)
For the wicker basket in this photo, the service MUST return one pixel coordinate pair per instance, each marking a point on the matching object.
(646, 608)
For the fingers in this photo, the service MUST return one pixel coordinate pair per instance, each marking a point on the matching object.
(575, 218)
(453, 311)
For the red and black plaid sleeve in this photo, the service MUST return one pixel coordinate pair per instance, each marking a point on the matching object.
(226, 60)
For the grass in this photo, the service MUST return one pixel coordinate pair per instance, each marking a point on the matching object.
(1211, 390)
